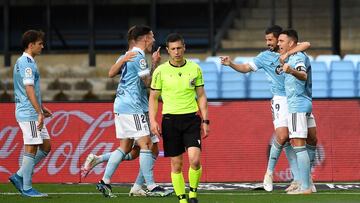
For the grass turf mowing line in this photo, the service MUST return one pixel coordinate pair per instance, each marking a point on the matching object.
(88, 194)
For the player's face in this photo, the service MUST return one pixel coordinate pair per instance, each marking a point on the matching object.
(176, 51)
(271, 41)
(149, 42)
(37, 47)
(283, 43)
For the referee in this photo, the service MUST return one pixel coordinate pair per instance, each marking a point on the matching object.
(181, 86)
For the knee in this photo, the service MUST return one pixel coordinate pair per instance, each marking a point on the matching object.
(195, 163)
(176, 166)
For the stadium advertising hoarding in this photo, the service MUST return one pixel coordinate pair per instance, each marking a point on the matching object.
(235, 151)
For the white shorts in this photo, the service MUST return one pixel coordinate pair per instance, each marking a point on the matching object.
(299, 124)
(279, 109)
(31, 135)
(131, 126)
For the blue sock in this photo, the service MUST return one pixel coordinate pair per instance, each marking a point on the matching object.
(140, 179)
(114, 161)
(312, 152)
(27, 168)
(105, 157)
(274, 155)
(146, 166)
(291, 157)
(304, 166)
(40, 154)
(128, 157)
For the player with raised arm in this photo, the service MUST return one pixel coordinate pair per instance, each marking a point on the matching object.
(270, 61)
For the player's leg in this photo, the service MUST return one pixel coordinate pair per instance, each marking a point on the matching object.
(147, 161)
(192, 140)
(298, 131)
(32, 139)
(174, 148)
(311, 143)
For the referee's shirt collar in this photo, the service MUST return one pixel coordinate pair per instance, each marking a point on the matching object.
(138, 50)
(178, 66)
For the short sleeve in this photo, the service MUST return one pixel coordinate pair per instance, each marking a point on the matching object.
(156, 80)
(298, 63)
(256, 63)
(199, 79)
(142, 67)
(27, 73)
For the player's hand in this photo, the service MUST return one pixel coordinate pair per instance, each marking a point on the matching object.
(47, 113)
(206, 130)
(283, 58)
(40, 121)
(225, 60)
(129, 56)
(156, 57)
(286, 68)
(155, 128)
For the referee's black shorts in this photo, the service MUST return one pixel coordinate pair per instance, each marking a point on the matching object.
(180, 132)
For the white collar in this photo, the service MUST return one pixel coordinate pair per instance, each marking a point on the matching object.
(29, 56)
(139, 50)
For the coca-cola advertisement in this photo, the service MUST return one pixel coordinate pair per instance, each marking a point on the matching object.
(235, 151)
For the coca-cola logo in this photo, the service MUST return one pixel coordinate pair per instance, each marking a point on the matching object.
(63, 126)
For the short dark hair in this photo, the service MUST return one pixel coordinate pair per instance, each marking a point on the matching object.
(138, 31)
(174, 37)
(275, 30)
(31, 36)
(291, 33)
(130, 33)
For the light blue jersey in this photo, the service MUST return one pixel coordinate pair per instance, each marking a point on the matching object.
(131, 94)
(298, 92)
(25, 73)
(269, 61)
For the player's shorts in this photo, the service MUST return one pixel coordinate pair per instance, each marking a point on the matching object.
(131, 126)
(279, 109)
(180, 132)
(299, 124)
(31, 135)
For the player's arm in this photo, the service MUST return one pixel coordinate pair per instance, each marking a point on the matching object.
(301, 46)
(202, 103)
(30, 92)
(153, 109)
(243, 68)
(47, 112)
(155, 60)
(116, 68)
(298, 72)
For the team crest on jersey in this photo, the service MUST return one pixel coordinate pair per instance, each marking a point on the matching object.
(279, 70)
(142, 63)
(28, 72)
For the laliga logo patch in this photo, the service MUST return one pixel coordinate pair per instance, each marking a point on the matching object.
(28, 72)
(279, 70)
(142, 63)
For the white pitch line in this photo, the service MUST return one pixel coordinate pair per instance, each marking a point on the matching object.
(206, 193)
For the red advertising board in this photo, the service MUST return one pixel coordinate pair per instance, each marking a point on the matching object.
(235, 151)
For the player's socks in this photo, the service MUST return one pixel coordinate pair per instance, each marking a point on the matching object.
(40, 154)
(114, 161)
(128, 157)
(104, 157)
(27, 168)
(304, 166)
(292, 159)
(274, 155)
(140, 178)
(147, 161)
(194, 179)
(178, 182)
(311, 149)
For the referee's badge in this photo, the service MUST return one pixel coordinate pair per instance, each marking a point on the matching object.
(142, 64)
(192, 82)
